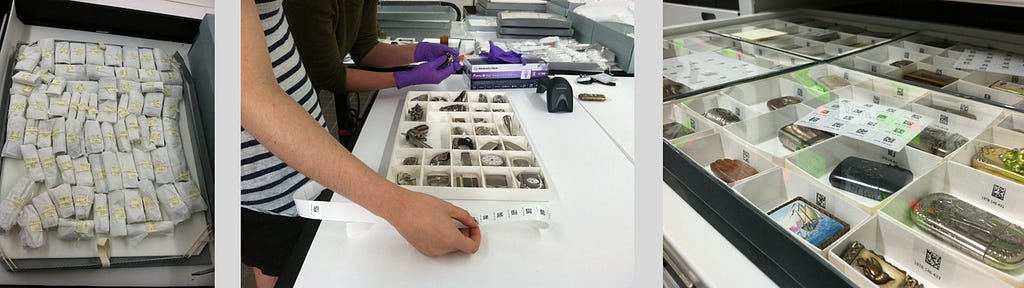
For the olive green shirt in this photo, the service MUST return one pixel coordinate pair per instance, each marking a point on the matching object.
(325, 31)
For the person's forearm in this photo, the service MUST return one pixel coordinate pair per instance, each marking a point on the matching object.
(388, 55)
(363, 80)
(287, 130)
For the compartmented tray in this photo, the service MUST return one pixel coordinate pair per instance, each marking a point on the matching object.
(473, 149)
(189, 236)
(882, 225)
(698, 60)
(928, 59)
(815, 37)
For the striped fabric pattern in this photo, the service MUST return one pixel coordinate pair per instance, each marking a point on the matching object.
(268, 184)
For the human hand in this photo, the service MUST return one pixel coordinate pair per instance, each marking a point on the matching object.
(432, 72)
(426, 222)
(425, 51)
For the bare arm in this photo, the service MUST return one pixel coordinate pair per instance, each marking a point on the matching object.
(388, 55)
(363, 80)
(288, 131)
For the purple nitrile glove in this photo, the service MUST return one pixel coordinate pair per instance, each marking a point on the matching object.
(497, 55)
(432, 72)
(426, 51)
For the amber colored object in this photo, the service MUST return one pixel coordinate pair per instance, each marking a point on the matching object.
(833, 81)
(732, 170)
(929, 77)
(875, 268)
(901, 63)
(780, 102)
(444, 39)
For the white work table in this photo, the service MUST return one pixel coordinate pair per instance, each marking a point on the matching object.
(615, 116)
(590, 241)
(711, 257)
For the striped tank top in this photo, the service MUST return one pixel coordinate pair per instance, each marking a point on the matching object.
(268, 184)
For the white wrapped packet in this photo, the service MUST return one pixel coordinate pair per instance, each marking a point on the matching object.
(83, 171)
(101, 214)
(28, 57)
(162, 166)
(179, 166)
(74, 138)
(107, 89)
(26, 78)
(60, 105)
(99, 173)
(45, 136)
(45, 76)
(146, 60)
(83, 86)
(147, 75)
(18, 105)
(190, 194)
(149, 200)
(145, 140)
(172, 136)
(128, 86)
(74, 230)
(113, 167)
(60, 144)
(64, 200)
(124, 144)
(163, 60)
(171, 203)
(83, 200)
(122, 107)
(74, 106)
(97, 72)
(67, 169)
(108, 111)
(15, 134)
(131, 57)
(133, 206)
(77, 53)
(139, 232)
(31, 131)
(19, 89)
(32, 164)
(38, 107)
(31, 228)
(150, 87)
(49, 163)
(94, 53)
(70, 72)
(62, 52)
(144, 163)
(132, 123)
(171, 108)
(13, 201)
(112, 55)
(47, 211)
(83, 107)
(156, 131)
(109, 138)
(154, 104)
(118, 216)
(93, 110)
(170, 78)
(135, 103)
(129, 175)
(46, 47)
(126, 73)
(93, 137)
(174, 91)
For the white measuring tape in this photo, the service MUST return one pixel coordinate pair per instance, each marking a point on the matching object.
(536, 215)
